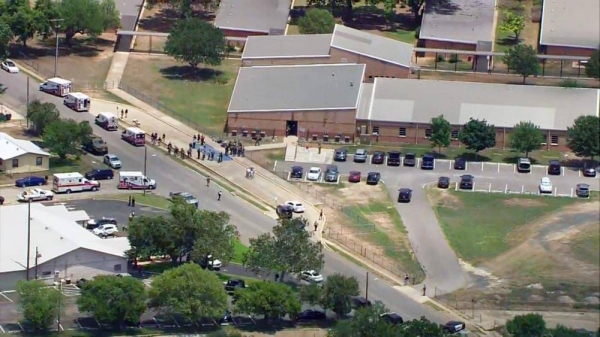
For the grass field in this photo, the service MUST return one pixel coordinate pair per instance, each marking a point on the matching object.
(478, 225)
(148, 199)
(587, 245)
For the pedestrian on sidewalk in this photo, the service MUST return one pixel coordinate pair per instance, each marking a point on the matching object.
(163, 138)
(406, 279)
(132, 201)
(129, 202)
(198, 150)
(321, 215)
(189, 153)
(219, 196)
(424, 289)
(121, 113)
(202, 140)
(207, 181)
(316, 225)
(126, 111)
(220, 157)
(131, 216)
(203, 154)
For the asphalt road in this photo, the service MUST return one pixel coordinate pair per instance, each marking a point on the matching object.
(171, 176)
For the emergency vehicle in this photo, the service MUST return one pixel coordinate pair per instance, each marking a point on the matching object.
(135, 180)
(56, 86)
(134, 136)
(73, 182)
(77, 101)
(107, 121)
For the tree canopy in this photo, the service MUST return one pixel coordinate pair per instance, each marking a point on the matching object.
(337, 293)
(64, 136)
(271, 299)
(196, 42)
(513, 23)
(526, 137)
(41, 115)
(38, 304)
(6, 35)
(523, 60)
(316, 21)
(592, 67)
(529, 325)
(288, 250)
(441, 131)
(478, 135)
(90, 17)
(583, 137)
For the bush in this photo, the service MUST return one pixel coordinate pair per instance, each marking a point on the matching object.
(440, 58)
(571, 83)
(221, 79)
(417, 32)
(454, 58)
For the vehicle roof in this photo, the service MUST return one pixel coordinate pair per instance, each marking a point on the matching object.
(135, 130)
(58, 80)
(79, 95)
(445, 178)
(68, 175)
(545, 179)
(409, 154)
(459, 159)
(110, 155)
(29, 177)
(354, 172)
(394, 152)
(294, 202)
(524, 160)
(315, 168)
(297, 168)
(361, 151)
(467, 176)
(583, 185)
(131, 174)
(427, 155)
(373, 173)
(332, 166)
(9, 61)
(404, 189)
(108, 114)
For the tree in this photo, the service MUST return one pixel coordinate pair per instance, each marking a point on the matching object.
(513, 23)
(592, 67)
(311, 293)
(46, 11)
(195, 41)
(523, 60)
(526, 137)
(583, 137)
(41, 115)
(189, 291)
(64, 136)
(440, 132)
(316, 21)
(90, 17)
(23, 22)
(113, 299)
(477, 135)
(416, 7)
(563, 331)
(367, 322)
(288, 250)
(338, 291)
(271, 299)
(215, 236)
(38, 304)
(529, 325)
(6, 36)
(422, 327)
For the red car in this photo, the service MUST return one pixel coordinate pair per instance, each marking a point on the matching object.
(354, 177)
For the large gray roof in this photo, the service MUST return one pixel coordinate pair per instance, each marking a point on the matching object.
(287, 46)
(372, 45)
(466, 21)
(571, 23)
(264, 16)
(294, 88)
(504, 105)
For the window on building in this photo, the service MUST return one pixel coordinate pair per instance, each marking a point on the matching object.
(553, 140)
(402, 132)
(46, 274)
(454, 134)
(428, 133)
(15, 163)
(545, 139)
(376, 130)
(38, 161)
(117, 267)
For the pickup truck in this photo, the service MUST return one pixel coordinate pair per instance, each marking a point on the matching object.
(36, 194)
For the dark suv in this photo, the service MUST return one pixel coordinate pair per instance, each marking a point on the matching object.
(232, 284)
(285, 211)
(410, 159)
(393, 158)
(297, 172)
(404, 195)
(340, 154)
(460, 164)
(466, 182)
(554, 168)
(378, 158)
(428, 162)
(100, 174)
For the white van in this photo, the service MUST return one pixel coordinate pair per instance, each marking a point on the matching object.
(135, 180)
(107, 121)
(56, 86)
(77, 101)
(134, 136)
(73, 182)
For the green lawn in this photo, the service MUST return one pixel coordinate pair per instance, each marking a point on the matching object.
(587, 245)
(239, 249)
(478, 225)
(148, 199)
(407, 36)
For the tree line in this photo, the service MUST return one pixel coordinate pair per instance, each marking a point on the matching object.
(21, 21)
(583, 137)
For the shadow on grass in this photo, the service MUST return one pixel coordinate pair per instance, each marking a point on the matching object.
(507, 41)
(188, 73)
(84, 47)
(470, 156)
(166, 18)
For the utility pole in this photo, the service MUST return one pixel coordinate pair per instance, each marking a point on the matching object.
(56, 27)
(145, 161)
(60, 294)
(28, 237)
(367, 287)
(28, 102)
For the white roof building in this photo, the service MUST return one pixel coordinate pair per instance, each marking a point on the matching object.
(12, 148)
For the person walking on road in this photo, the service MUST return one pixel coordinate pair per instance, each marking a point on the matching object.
(424, 289)
(406, 279)
(129, 202)
(316, 226)
(321, 215)
(132, 201)
(207, 181)
(219, 196)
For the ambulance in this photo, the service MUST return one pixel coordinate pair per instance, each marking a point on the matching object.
(56, 86)
(73, 182)
(77, 101)
(135, 181)
(134, 136)
(107, 121)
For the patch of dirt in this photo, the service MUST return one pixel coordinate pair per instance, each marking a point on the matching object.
(520, 202)
(444, 198)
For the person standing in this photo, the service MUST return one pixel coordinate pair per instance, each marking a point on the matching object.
(219, 196)
(316, 226)
(321, 215)
(207, 181)
(129, 202)
(132, 201)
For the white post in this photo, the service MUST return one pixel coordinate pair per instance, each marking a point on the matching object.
(490, 189)
(466, 165)
(498, 167)
(555, 191)
(522, 189)
(514, 168)
(506, 189)
(450, 165)
(275, 166)
(481, 166)
(562, 171)
(473, 188)
(456, 186)
(275, 201)
(571, 192)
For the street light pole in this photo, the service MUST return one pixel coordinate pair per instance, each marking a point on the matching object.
(28, 102)
(145, 161)
(56, 27)
(367, 287)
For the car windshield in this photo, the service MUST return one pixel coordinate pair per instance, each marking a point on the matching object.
(360, 152)
(10, 64)
(114, 159)
(583, 188)
(546, 182)
(314, 170)
(410, 156)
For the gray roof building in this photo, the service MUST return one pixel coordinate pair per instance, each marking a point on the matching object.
(571, 23)
(297, 88)
(503, 105)
(372, 45)
(466, 21)
(287, 46)
(261, 16)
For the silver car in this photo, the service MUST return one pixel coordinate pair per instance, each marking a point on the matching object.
(360, 156)
(112, 161)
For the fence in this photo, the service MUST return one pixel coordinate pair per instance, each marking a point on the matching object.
(215, 135)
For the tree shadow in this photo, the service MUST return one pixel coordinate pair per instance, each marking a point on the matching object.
(165, 18)
(442, 7)
(439, 155)
(515, 158)
(188, 73)
(579, 163)
(84, 47)
(470, 156)
(507, 41)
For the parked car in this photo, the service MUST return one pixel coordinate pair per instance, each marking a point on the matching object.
(466, 182)
(582, 190)
(454, 326)
(105, 230)
(100, 174)
(410, 159)
(360, 156)
(354, 177)
(393, 318)
(1, 200)
(394, 158)
(313, 174)
(296, 206)
(404, 195)
(373, 178)
(443, 182)
(546, 185)
(232, 284)
(81, 283)
(112, 161)
(360, 302)
(210, 263)
(31, 181)
(297, 172)
(36, 194)
(187, 197)
(589, 170)
(10, 66)
(524, 165)
(311, 276)
(378, 158)
(285, 211)
(311, 315)
(331, 173)
(340, 154)
(428, 162)
(92, 224)
(460, 164)
(554, 168)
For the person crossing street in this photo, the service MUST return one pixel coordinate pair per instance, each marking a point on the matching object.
(219, 196)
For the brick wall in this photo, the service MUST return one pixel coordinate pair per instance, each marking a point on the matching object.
(374, 67)
(568, 51)
(285, 61)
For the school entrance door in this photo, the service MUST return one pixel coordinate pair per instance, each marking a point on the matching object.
(291, 128)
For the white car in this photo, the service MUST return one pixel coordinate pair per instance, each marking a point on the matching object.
(313, 174)
(311, 276)
(112, 161)
(546, 185)
(35, 194)
(105, 230)
(297, 206)
(215, 264)
(10, 66)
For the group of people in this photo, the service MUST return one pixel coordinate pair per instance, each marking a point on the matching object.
(250, 172)
(234, 149)
(156, 139)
